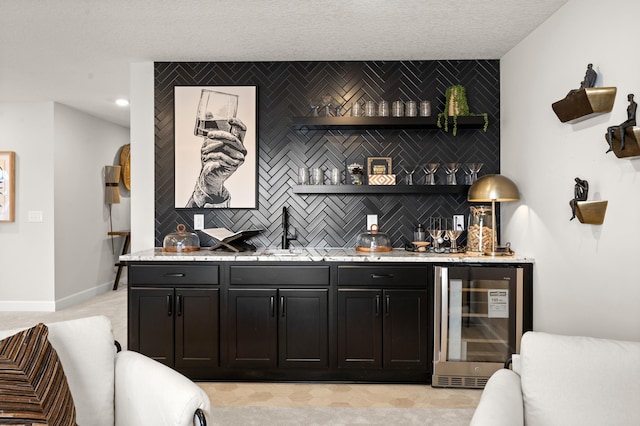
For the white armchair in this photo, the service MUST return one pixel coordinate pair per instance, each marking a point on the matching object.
(564, 380)
(121, 388)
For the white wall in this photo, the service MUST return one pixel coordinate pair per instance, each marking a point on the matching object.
(142, 157)
(26, 249)
(66, 258)
(586, 276)
(84, 256)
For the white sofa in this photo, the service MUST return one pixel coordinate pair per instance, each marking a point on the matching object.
(123, 388)
(565, 380)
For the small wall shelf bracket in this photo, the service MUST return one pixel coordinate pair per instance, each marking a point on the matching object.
(631, 142)
(591, 212)
(585, 103)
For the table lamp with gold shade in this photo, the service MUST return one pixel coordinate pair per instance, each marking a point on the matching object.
(493, 188)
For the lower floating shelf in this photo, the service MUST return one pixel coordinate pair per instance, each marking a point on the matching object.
(380, 189)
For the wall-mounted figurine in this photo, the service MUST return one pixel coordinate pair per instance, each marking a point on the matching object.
(630, 122)
(586, 101)
(589, 80)
(580, 192)
(589, 212)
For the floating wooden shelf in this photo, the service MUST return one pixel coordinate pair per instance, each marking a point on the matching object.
(585, 103)
(380, 189)
(631, 142)
(347, 122)
(591, 212)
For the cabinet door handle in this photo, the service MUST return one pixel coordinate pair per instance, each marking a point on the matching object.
(387, 305)
(272, 306)
(169, 305)
(179, 303)
(377, 305)
(174, 275)
(378, 276)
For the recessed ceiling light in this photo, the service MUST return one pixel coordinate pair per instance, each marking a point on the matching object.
(122, 102)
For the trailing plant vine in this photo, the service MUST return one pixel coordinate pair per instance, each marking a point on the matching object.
(458, 94)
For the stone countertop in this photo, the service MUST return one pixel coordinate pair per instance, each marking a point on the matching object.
(317, 255)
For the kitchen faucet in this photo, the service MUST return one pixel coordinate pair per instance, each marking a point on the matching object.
(285, 229)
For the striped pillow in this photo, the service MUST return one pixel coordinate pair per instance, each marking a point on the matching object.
(33, 387)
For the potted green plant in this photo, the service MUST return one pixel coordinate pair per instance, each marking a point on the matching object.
(456, 105)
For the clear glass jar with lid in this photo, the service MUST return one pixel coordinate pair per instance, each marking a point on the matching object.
(480, 231)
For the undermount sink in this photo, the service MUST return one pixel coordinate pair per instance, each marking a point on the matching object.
(283, 252)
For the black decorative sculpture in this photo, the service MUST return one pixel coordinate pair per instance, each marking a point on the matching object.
(580, 192)
(589, 80)
(630, 122)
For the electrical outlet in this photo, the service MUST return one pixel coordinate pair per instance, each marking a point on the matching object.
(198, 221)
(458, 222)
(372, 219)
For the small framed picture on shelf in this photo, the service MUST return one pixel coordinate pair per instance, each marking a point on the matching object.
(378, 166)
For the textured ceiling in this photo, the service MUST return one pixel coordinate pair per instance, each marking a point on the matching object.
(77, 52)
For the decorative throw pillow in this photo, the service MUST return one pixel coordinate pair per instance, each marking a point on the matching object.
(33, 387)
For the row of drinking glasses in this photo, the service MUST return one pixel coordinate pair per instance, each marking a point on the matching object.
(470, 169)
(441, 230)
(325, 106)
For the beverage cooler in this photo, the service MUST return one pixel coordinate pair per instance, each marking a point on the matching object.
(479, 314)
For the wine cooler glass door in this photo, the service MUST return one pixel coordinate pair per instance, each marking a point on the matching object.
(479, 310)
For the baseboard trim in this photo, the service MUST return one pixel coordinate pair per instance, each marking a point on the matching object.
(53, 306)
(27, 306)
(82, 296)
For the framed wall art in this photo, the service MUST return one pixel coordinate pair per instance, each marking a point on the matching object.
(7, 186)
(216, 147)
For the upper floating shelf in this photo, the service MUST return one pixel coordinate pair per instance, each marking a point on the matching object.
(347, 122)
(380, 189)
(585, 103)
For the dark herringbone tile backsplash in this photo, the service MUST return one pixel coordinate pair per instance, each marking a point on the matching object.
(284, 89)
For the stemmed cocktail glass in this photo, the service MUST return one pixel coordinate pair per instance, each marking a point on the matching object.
(430, 170)
(453, 235)
(435, 230)
(451, 169)
(409, 177)
(327, 104)
(474, 168)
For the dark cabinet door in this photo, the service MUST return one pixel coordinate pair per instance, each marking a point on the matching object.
(359, 328)
(303, 328)
(405, 329)
(252, 322)
(197, 327)
(383, 329)
(151, 323)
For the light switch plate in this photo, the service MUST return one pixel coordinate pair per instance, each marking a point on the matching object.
(458, 222)
(34, 216)
(198, 221)
(372, 219)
